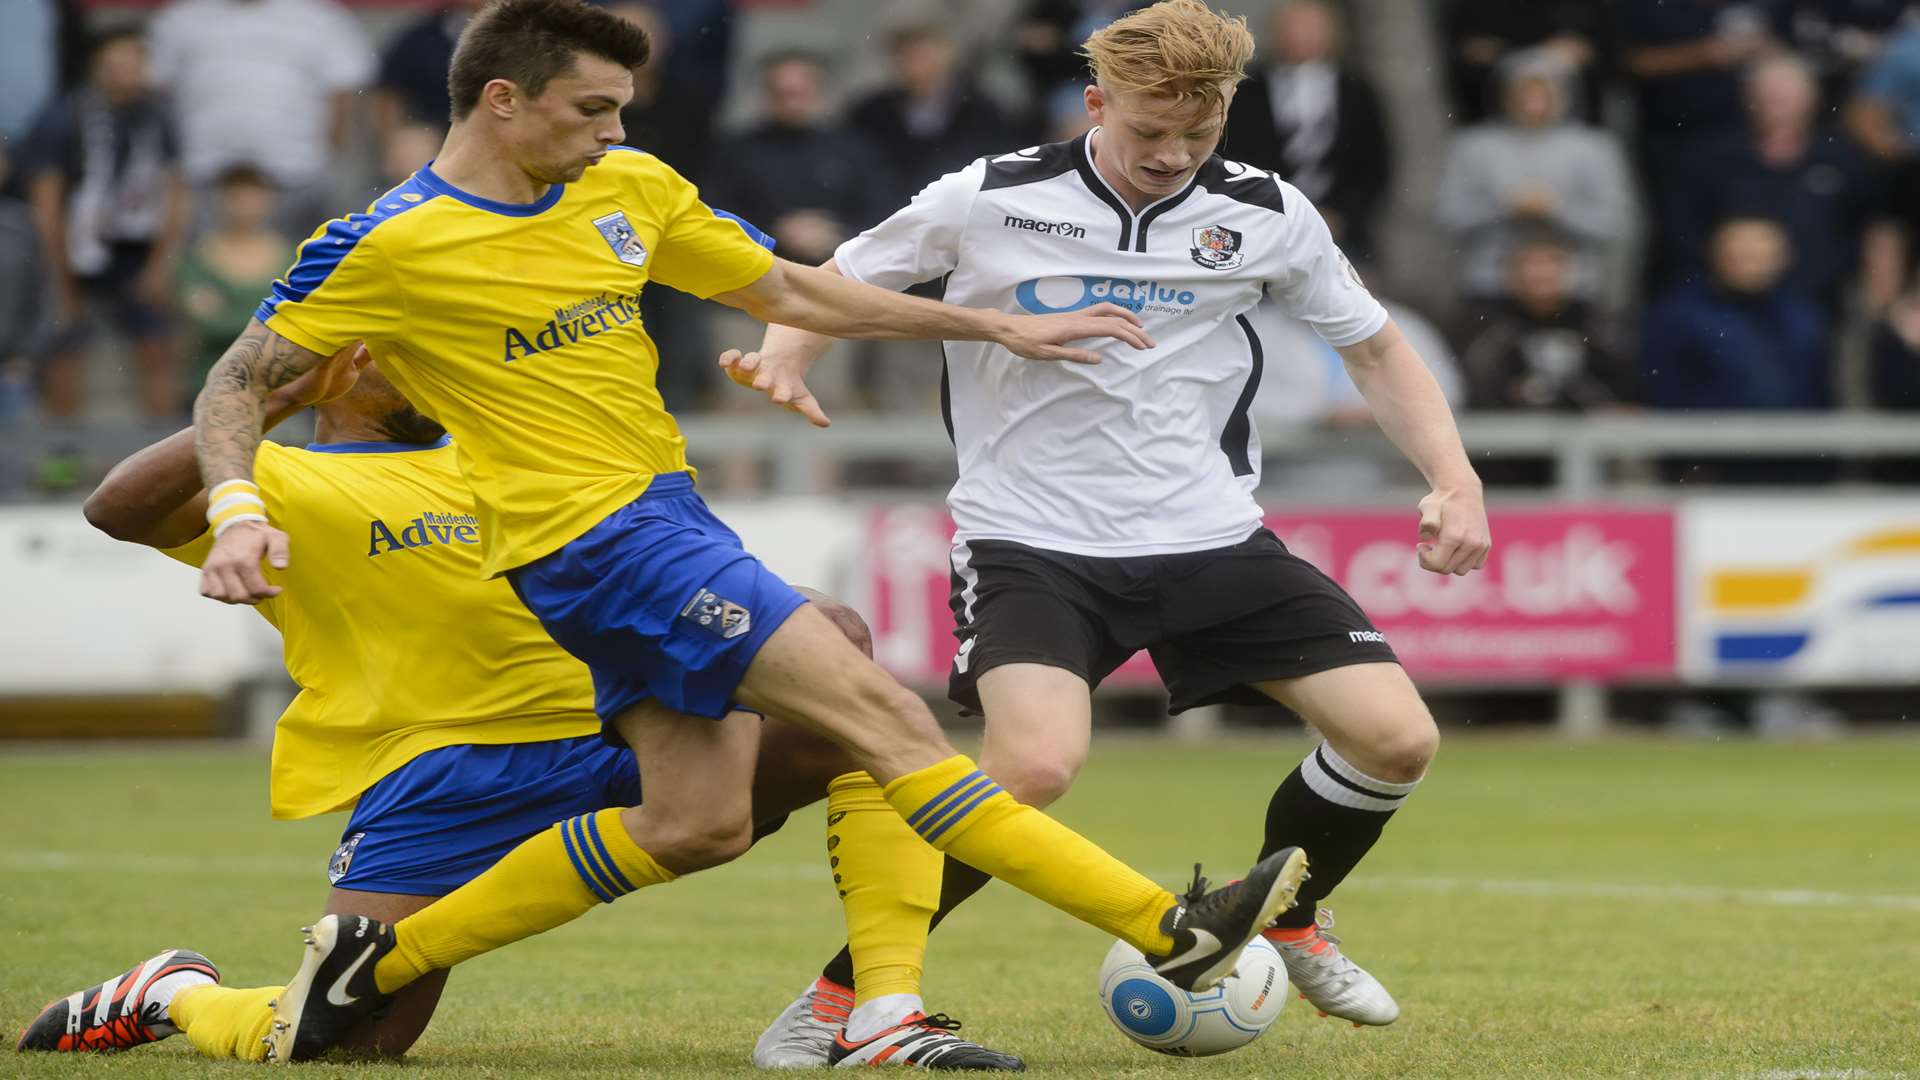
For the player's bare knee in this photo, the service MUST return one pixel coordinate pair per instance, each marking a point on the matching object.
(1406, 751)
(842, 616)
(702, 845)
(1036, 779)
(685, 839)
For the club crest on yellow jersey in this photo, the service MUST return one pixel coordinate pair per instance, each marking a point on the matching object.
(619, 234)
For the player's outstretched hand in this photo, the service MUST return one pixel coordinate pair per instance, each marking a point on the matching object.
(232, 573)
(1045, 337)
(780, 376)
(1454, 537)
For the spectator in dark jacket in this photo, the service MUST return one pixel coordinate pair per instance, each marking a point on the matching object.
(702, 56)
(412, 85)
(1822, 190)
(664, 118)
(1686, 56)
(1315, 122)
(931, 117)
(103, 171)
(809, 182)
(1738, 340)
(1540, 347)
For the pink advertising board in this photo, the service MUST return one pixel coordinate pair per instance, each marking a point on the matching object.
(1570, 592)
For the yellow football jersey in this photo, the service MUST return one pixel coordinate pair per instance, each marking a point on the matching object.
(398, 642)
(518, 327)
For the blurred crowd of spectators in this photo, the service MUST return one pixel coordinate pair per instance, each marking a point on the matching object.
(1667, 204)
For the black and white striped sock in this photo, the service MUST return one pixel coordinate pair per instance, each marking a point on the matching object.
(1335, 813)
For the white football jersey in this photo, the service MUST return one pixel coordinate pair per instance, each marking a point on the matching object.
(1147, 452)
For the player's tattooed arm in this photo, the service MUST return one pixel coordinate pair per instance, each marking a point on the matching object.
(228, 418)
(154, 496)
(230, 413)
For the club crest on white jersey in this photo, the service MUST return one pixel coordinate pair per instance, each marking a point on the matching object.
(1217, 247)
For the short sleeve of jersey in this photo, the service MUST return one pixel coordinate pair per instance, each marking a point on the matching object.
(341, 289)
(700, 252)
(921, 241)
(1318, 285)
(193, 552)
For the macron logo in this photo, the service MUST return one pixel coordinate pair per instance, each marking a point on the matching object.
(1357, 636)
(1052, 228)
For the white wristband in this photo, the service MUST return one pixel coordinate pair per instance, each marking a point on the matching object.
(235, 520)
(238, 498)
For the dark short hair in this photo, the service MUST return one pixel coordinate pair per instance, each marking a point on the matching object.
(532, 42)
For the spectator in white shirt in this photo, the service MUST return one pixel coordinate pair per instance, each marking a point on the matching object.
(263, 82)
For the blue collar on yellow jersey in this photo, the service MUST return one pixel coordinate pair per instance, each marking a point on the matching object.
(378, 447)
(432, 182)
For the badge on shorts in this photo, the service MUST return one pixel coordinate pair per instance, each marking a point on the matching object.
(342, 860)
(1217, 247)
(619, 235)
(721, 618)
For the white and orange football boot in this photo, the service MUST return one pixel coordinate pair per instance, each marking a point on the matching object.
(123, 1012)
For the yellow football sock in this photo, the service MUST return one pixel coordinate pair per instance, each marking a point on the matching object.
(958, 809)
(550, 879)
(225, 1022)
(889, 881)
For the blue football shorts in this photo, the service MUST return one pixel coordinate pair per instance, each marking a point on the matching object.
(659, 601)
(435, 823)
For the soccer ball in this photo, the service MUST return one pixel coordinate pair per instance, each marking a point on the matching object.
(1160, 1016)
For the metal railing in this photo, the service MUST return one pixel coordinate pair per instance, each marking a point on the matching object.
(802, 460)
(1580, 447)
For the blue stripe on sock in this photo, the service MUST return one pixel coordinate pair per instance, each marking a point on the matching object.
(962, 811)
(596, 861)
(601, 872)
(957, 785)
(579, 863)
(613, 868)
(978, 781)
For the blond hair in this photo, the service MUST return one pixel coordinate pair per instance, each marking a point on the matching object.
(1181, 49)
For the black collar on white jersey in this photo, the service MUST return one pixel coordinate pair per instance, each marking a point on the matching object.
(1133, 228)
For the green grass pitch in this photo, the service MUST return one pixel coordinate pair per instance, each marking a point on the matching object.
(1627, 908)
